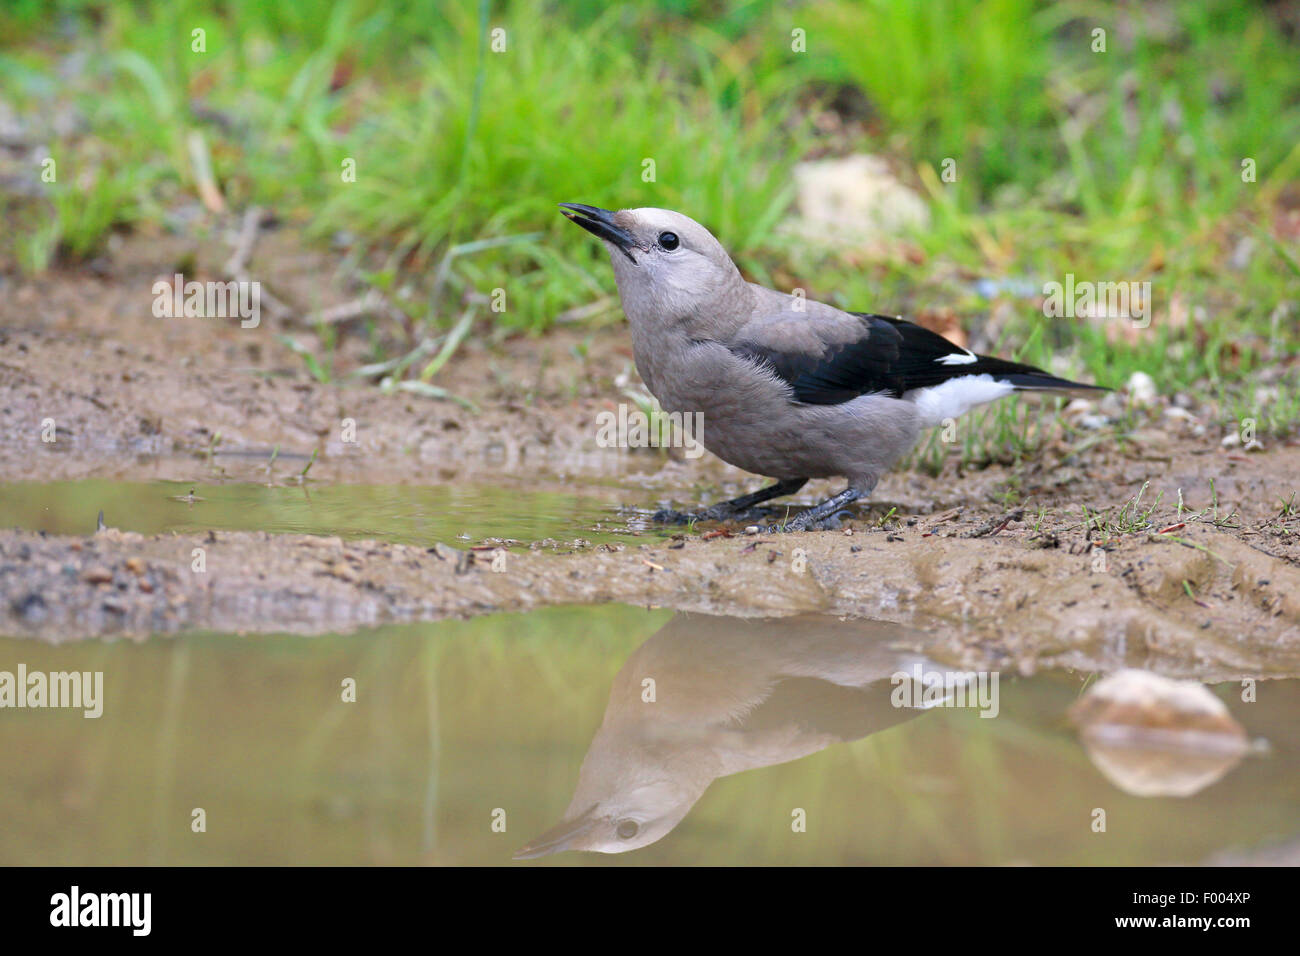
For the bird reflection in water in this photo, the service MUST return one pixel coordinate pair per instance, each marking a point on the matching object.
(707, 697)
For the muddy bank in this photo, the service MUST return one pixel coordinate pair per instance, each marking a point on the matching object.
(1210, 606)
(126, 414)
(139, 413)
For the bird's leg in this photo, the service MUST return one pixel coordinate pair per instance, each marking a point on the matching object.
(726, 509)
(819, 513)
(729, 509)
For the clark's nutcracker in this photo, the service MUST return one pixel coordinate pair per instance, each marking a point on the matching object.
(788, 387)
(734, 694)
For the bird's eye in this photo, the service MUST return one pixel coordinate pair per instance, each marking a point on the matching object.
(668, 240)
(628, 828)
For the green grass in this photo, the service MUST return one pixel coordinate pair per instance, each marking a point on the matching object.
(1114, 166)
(1132, 516)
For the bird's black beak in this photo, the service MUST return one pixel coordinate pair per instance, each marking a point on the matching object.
(600, 223)
(562, 836)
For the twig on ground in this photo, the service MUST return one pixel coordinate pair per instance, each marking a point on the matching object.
(237, 264)
(994, 525)
(203, 178)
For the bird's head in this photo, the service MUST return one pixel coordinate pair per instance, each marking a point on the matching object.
(622, 821)
(636, 784)
(667, 265)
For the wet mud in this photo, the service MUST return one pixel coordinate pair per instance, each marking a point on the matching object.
(996, 602)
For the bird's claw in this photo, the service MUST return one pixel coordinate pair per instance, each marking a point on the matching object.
(669, 516)
(830, 523)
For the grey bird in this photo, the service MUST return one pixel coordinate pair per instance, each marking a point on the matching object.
(788, 387)
(729, 695)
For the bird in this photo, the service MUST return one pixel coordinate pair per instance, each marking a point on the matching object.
(786, 387)
(729, 694)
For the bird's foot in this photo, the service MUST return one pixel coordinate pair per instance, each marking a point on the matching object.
(824, 517)
(748, 516)
(715, 513)
(829, 523)
(669, 516)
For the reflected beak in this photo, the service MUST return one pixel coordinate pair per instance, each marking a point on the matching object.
(600, 223)
(562, 836)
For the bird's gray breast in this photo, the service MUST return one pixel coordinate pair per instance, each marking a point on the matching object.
(744, 411)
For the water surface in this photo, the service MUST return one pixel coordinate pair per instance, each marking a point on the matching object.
(406, 514)
(460, 725)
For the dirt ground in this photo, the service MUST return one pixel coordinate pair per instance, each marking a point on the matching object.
(133, 396)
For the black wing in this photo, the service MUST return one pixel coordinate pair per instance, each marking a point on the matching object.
(891, 357)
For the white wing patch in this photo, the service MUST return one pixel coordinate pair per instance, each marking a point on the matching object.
(963, 357)
(956, 397)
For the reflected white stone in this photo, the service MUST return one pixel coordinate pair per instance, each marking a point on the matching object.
(1156, 737)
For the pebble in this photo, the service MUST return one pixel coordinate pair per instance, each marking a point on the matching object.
(1141, 388)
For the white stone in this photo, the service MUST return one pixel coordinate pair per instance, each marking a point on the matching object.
(1142, 388)
(854, 199)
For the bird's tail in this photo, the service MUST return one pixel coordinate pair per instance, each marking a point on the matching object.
(1033, 380)
(1029, 378)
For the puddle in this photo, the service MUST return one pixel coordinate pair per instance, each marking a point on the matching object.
(399, 514)
(459, 724)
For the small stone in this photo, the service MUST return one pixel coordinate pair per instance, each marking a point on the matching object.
(31, 608)
(1111, 405)
(1141, 388)
(341, 571)
(1078, 406)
